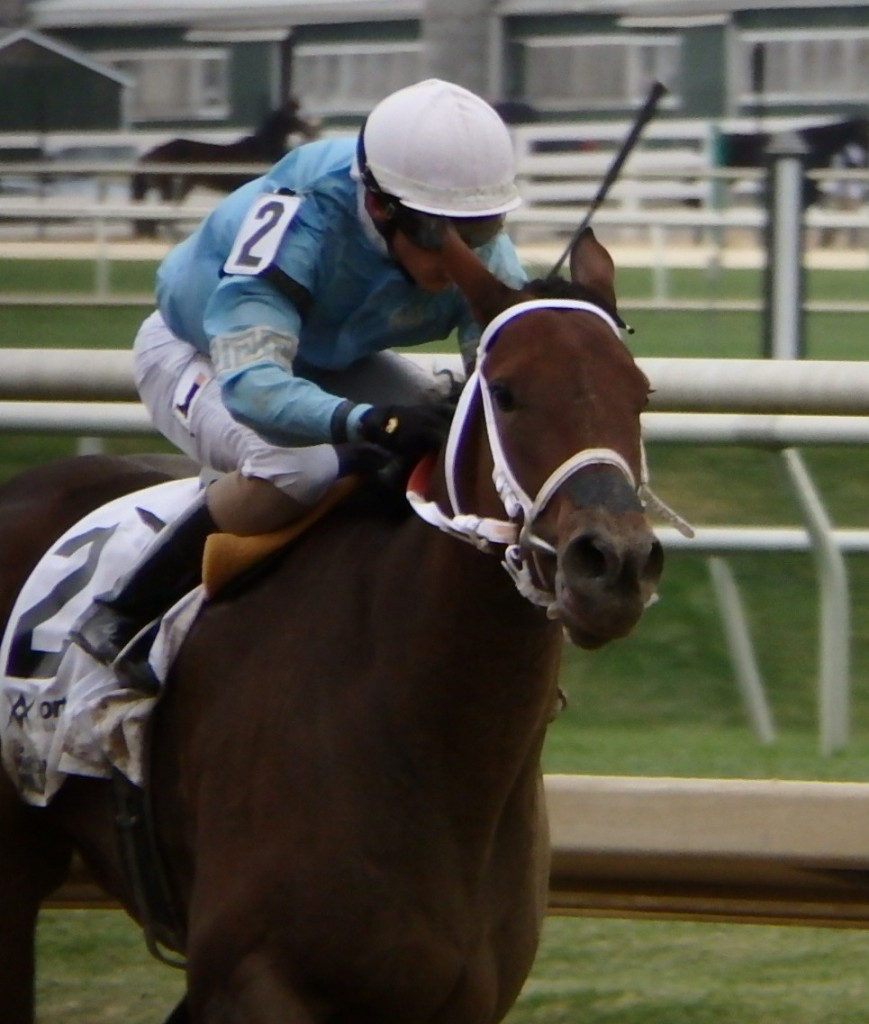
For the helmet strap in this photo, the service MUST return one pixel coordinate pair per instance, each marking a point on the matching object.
(383, 211)
(385, 222)
(366, 175)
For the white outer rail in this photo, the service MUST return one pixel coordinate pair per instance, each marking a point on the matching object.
(751, 851)
(117, 418)
(823, 387)
(84, 378)
(710, 849)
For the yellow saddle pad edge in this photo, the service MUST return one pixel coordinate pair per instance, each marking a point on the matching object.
(227, 556)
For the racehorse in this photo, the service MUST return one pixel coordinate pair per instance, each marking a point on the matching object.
(345, 773)
(264, 146)
(825, 145)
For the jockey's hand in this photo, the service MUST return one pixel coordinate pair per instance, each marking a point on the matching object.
(362, 458)
(407, 430)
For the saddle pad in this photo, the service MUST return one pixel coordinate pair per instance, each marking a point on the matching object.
(227, 556)
(61, 712)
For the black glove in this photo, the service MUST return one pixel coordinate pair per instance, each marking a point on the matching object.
(361, 458)
(407, 430)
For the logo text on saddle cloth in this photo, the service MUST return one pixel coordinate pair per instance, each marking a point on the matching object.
(22, 707)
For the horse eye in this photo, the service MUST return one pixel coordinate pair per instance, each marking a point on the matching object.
(502, 396)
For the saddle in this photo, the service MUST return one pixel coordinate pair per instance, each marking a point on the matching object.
(227, 557)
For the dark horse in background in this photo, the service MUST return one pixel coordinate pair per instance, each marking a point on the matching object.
(345, 772)
(265, 146)
(827, 146)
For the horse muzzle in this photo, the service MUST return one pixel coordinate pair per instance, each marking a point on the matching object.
(605, 575)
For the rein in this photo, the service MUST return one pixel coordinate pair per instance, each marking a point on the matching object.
(516, 533)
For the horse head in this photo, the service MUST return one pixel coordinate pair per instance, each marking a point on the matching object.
(545, 455)
(287, 120)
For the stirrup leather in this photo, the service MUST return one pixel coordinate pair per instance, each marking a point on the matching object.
(132, 665)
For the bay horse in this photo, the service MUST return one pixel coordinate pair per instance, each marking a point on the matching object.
(266, 145)
(345, 761)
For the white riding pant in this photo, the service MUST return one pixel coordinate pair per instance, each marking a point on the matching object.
(177, 384)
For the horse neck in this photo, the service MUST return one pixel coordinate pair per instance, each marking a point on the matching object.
(491, 656)
(482, 688)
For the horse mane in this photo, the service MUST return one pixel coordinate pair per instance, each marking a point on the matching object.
(383, 497)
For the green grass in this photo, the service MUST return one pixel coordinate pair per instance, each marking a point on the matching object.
(588, 971)
(96, 970)
(69, 327)
(126, 277)
(662, 702)
(620, 972)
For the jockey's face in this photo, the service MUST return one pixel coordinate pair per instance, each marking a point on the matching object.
(424, 266)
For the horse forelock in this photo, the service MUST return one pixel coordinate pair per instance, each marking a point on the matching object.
(563, 354)
(560, 288)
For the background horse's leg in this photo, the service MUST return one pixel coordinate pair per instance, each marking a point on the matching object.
(139, 185)
(33, 862)
(173, 189)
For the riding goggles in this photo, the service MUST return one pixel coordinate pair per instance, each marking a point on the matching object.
(427, 230)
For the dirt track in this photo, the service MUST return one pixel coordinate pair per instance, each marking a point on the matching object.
(626, 254)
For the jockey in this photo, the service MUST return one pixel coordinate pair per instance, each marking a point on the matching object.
(266, 357)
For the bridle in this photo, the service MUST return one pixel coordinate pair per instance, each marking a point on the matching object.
(517, 532)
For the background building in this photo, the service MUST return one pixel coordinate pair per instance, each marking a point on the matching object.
(221, 63)
(49, 86)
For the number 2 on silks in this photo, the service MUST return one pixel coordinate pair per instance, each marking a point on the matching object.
(260, 235)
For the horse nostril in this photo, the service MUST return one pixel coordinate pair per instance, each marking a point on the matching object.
(588, 558)
(654, 566)
(591, 556)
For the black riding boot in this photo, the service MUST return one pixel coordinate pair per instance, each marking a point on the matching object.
(169, 568)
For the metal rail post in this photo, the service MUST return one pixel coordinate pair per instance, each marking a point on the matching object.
(834, 625)
(784, 286)
(741, 650)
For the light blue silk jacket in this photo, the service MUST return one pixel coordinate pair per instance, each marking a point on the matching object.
(355, 299)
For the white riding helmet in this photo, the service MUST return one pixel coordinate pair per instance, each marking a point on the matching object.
(439, 149)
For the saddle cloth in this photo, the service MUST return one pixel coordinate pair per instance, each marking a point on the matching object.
(62, 713)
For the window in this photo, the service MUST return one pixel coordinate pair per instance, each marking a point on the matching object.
(349, 78)
(598, 71)
(174, 84)
(822, 66)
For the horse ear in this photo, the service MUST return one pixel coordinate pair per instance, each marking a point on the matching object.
(486, 294)
(592, 267)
